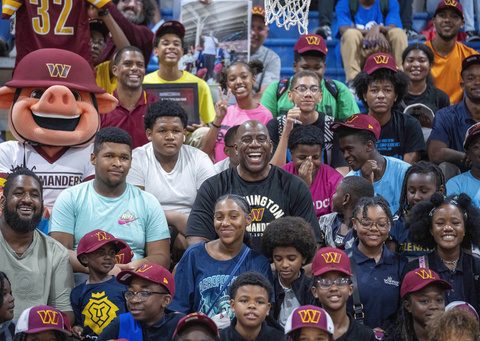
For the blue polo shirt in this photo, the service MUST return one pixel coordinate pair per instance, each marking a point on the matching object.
(400, 234)
(465, 183)
(378, 285)
(451, 124)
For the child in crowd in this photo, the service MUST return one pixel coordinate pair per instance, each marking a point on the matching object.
(7, 303)
(469, 182)
(305, 144)
(305, 92)
(229, 150)
(40, 323)
(455, 324)
(250, 301)
(150, 291)
(196, 327)
(336, 227)
(239, 79)
(309, 322)
(290, 243)
(421, 180)
(332, 288)
(99, 300)
(423, 300)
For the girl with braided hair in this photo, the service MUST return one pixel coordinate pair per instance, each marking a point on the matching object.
(450, 226)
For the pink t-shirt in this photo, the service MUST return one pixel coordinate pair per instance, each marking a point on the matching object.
(322, 187)
(235, 116)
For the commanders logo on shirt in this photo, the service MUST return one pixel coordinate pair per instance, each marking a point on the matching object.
(99, 312)
(127, 217)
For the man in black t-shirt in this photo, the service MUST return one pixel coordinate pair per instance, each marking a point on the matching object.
(271, 192)
(380, 86)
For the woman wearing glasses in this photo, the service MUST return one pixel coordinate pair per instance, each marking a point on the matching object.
(305, 94)
(206, 270)
(376, 270)
(450, 226)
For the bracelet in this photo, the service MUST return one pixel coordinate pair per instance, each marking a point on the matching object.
(103, 12)
(216, 126)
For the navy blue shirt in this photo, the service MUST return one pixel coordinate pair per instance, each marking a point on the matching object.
(451, 124)
(400, 234)
(378, 285)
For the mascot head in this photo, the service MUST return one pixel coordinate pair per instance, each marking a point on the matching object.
(54, 100)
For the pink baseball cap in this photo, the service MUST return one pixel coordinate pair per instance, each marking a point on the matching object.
(196, 318)
(449, 4)
(331, 259)
(419, 278)
(309, 316)
(42, 318)
(360, 122)
(310, 42)
(151, 272)
(95, 239)
(379, 60)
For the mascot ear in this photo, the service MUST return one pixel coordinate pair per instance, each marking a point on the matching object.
(106, 103)
(6, 97)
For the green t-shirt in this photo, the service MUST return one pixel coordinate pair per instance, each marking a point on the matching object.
(341, 108)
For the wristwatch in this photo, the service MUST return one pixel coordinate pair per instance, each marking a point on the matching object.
(103, 12)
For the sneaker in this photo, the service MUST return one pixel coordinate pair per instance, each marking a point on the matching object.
(472, 36)
(412, 35)
(325, 31)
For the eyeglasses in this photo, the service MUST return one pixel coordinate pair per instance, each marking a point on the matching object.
(325, 283)
(301, 89)
(382, 224)
(142, 295)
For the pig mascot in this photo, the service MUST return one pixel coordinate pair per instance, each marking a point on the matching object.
(54, 114)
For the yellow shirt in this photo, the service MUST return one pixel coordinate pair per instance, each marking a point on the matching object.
(103, 79)
(205, 102)
(446, 71)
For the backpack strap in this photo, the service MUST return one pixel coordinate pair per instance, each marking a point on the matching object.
(332, 88)
(358, 313)
(282, 87)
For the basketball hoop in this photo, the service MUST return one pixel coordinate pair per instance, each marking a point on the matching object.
(288, 13)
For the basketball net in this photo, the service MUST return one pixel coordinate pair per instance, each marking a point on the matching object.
(286, 13)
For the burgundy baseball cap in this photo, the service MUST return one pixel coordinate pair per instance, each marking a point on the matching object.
(449, 4)
(47, 67)
(331, 259)
(258, 10)
(95, 239)
(471, 134)
(379, 60)
(419, 278)
(469, 61)
(196, 318)
(151, 272)
(125, 255)
(42, 318)
(310, 42)
(309, 316)
(171, 26)
(359, 122)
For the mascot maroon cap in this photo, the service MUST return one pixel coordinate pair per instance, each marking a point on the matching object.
(75, 74)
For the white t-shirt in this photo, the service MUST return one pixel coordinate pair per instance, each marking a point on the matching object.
(175, 190)
(70, 169)
(210, 45)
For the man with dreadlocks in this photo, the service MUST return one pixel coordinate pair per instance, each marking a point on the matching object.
(421, 181)
(35, 263)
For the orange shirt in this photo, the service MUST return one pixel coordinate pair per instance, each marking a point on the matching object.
(446, 71)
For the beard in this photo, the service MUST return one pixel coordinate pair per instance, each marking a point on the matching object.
(21, 225)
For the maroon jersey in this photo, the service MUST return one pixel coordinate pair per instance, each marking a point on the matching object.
(59, 24)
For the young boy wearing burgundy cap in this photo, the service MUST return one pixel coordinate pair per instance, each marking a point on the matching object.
(469, 182)
(40, 323)
(150, 291)
(332, 287)
(423, 300)
(99, 300)
(196, 327)
(381, 86)
(357, 138)
(309, 322)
